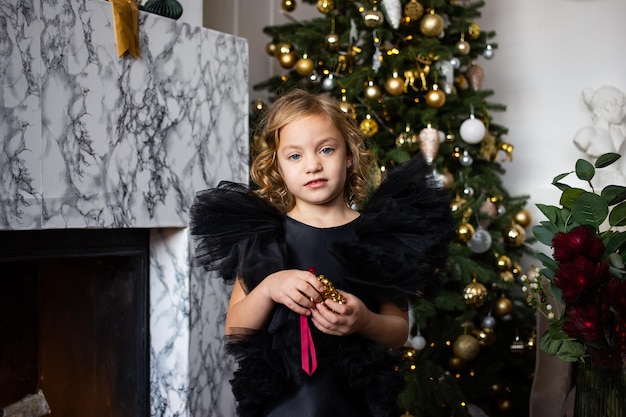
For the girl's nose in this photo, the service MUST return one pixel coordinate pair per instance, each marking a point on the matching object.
(314, 164)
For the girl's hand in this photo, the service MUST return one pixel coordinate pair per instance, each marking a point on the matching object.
(333, 318)
(297, 290)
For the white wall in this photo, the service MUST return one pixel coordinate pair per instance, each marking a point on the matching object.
(548, 51)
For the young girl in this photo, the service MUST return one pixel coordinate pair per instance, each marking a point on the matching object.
(303, 348)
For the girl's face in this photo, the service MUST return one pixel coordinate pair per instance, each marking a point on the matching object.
(313, 161)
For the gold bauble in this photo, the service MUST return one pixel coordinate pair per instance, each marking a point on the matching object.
(507, 276)
(394, 85)
(466, 347)
(485, 337)
(473, 31)
(371, 91)
(270, 49)
(514, 235)
(348, 108)
(435, 98)
(332, 41)
(413, 10)
(369, 127)
(258, 106)
(373, 18)
(457, 203)
(463, 47)
(502, 306)
(325, 6)
(288, 5)
(505, 405)
(456, 153)
(475, 294)
(456, 363)
(287, 60)
(464, 232)
(432, 24)
(523, 218)
(516, 270)
(504, 263)
(305, 66)
(461, 82)
(282, 48)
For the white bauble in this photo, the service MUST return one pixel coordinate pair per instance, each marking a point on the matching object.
(472, 130)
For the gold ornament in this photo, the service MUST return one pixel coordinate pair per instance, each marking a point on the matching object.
(305, 66)
(432, 24)
(473, 31)
(394, 85)
(270, 49)
(523, 218)
(435, 97)
(325, 6)
(259, 106)
(329, 290)
(456, 153)
(502, 306)
(347, 107)
(457, 203)
(288, 5)
(475, 294)
(504, 263)
(429, 143)
(287, 60)
(463, 47)
(514, 235)
(373, 18)
(464, 232)
(516, 270)
(407, 139)
(461, 82)
(456, 363)
(413, 10)
(507, 276)
(332, 41)
(368, 126)
(517, 346)
(466, 347)
(505, 406)
(371, 91)
(485, 337)
(282, 48)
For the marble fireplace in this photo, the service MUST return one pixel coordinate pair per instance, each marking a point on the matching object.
(94, 145)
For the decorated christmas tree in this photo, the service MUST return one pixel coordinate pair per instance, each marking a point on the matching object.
(410, 73)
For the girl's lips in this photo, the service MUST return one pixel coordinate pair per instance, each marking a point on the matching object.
(316, 183)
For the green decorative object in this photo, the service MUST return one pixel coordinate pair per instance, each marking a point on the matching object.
(600, 392)
(168, 8)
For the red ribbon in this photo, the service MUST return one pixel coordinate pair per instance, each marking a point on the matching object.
(307, 348)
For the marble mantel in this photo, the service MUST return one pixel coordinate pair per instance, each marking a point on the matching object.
(90, 140)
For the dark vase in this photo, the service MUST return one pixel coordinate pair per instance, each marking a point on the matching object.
(168, 8)
(600, 392)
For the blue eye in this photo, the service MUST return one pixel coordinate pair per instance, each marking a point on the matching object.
(327, 150)
(294, 157)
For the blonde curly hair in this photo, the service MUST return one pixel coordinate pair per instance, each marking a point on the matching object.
(294, 105)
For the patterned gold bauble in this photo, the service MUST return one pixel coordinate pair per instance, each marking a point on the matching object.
(369, 127)
(435, 98)
(270, 49)
(305, 66)
(502, 306)
(325, 6)
(504, 263)
(287, 60)
(485, 337)
(514, 235)
(475, 294)
(332, 41)
(373, 18)
(464, 232)
(432, 24)
(371, 91)
(466, 347)
(473, 31)
(413, 10)
(288, 5)
(523, 218)
(394, 85)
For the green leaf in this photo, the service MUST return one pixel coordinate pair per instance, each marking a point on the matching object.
(590, 209)
(616, 260)
(607, 159)
(547, 261)
(613, 194)
(550, 212)
(543, 234)
(585, 170)
(560, 177)
(614, 242)
(618, 215)
(569, 195)
(561, 186)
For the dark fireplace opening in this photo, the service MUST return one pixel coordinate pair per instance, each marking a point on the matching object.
(74, 320)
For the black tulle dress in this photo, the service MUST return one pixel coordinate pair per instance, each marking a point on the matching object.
(390, 252)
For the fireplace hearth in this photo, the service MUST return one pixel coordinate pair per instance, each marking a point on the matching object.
(74, 320)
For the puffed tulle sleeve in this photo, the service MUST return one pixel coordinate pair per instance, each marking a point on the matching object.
(237, 233)
(403, 234)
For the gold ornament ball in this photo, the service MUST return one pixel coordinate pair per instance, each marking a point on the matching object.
(464, 232)
(413, 10)
(505, 405)
(507, 276)
(287, 60)
(456, 363)
(259, 106)
(332, 41)
(282, 48)
(394, 86)
(325, 6)
(270, 49)
(466, 347)
(373, 18)
(485, 337)
(371, 91)
(504, 263)
(474, 31)
(502, 306)
(288, 5)
(369, 127)
(304, 67)
(435, 98)
(474, 294)
(523, 218)
(457, 203)
(348, 108)
(463, 47)
(516, 270)
(514, 235)
(431, 24)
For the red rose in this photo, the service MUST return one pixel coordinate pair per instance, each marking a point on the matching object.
(580, 277)
(581, 240)
(584, 322)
